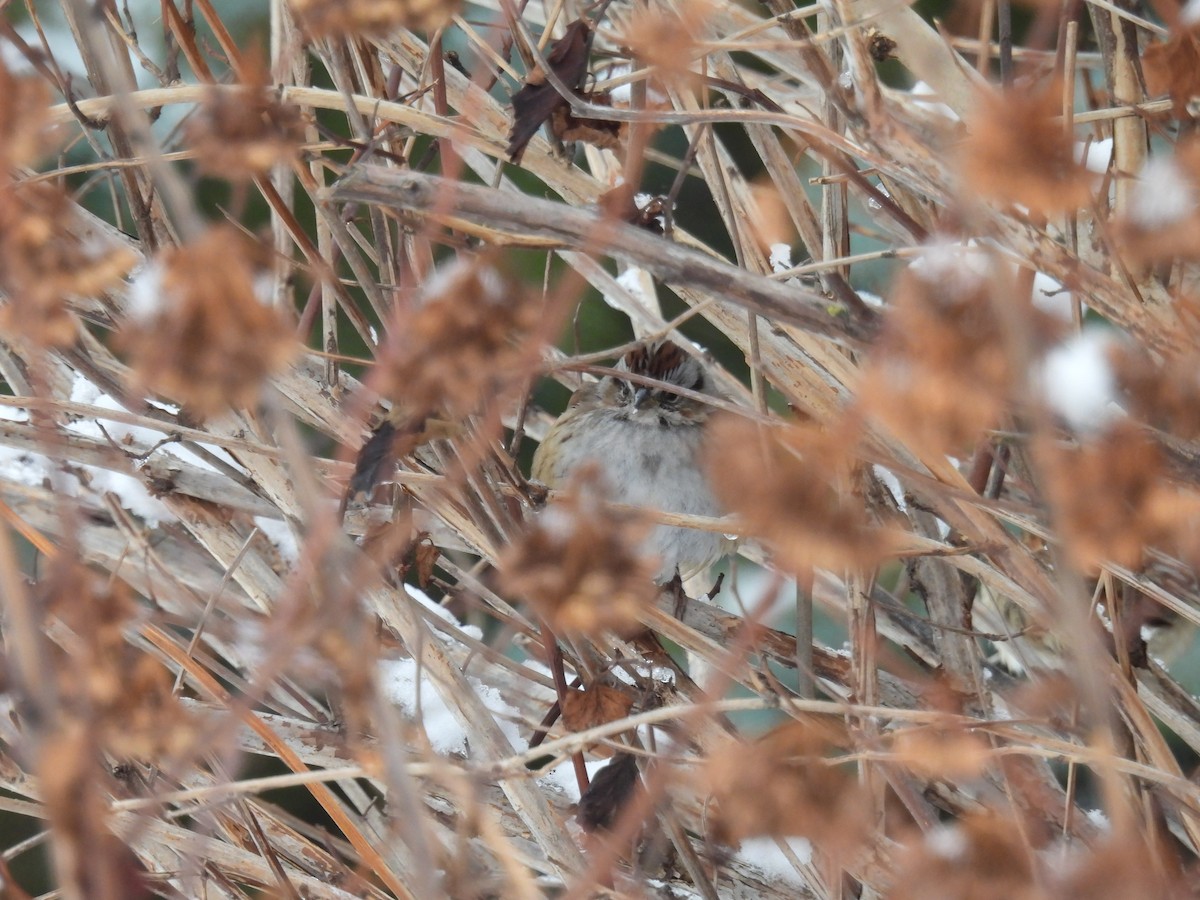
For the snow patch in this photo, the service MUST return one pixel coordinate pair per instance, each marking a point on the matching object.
(1095, 155)
(947, 841)
(955, 267)
(781, 258)
(921, 89)
(764, 854)
(1078, 381)
(1166, 196)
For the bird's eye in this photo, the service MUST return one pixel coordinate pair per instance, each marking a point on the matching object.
(668, 399)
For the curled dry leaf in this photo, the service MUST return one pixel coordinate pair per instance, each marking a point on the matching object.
(1018, 152)
(44, 264)
(794, 487)
(1173, 67)
(785, 785)
(581, 562)
(240, 132)
(198, 329)
(469, 338)
(597, 705)
(346, 18)
(603, 133)
(539, 101)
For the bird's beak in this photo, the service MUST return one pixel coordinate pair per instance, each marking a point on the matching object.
(640, 396)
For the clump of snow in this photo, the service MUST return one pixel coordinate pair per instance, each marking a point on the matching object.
(870, 299)
(430, 604)
(781, 258)
(955, 267)
(146, 296)
(631, 280)
(562, 777)
(279, 534)
(398, 680)
(1095, 155)
(622, 93)
(947, 841)
(1097, 816)
(921, 89)
(1190, 14)
(1078, 381)
(1165, 196)
(764, 854)
(1050, 297)
(892, 483)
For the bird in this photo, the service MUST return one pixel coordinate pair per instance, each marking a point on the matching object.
(647, 441)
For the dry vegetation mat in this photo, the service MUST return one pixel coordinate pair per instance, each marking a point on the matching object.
(283, 613)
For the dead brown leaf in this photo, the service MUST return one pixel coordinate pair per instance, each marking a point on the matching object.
(1173, 67)
(538, 99)
(597, 705)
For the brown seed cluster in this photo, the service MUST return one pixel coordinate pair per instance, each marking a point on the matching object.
(342, 18)
(199, 330)
(580, 563)
(1018, 152)
(667, 39)
(469, 338)
(786, 784)
(795, 488)
(240, 132)
(44, 264)
(24, 134)
(1111, 499)
(119, 696)
(940, 374)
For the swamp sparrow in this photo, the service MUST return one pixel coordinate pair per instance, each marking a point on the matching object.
(647, 443)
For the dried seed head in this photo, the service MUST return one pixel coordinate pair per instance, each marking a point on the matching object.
(44, 263)
(795, 488)
(24, 134)
(1018, 152)
(981, 857)
(940, 374)
(1173, 67)
(581, 562)
(199, 331)
(1112, 500)
(785, 785)
(668, 39)
(241, 132)
(1162, 221)
(470, 338)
